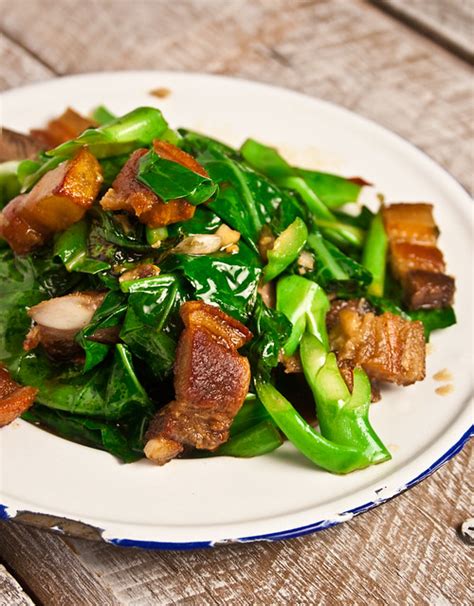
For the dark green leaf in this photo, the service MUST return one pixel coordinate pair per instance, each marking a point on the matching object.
(170, 180)
(109, 315)
(227, 280)
(151, 326)
(109, 392)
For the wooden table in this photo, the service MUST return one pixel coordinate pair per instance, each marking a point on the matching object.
(404, 64)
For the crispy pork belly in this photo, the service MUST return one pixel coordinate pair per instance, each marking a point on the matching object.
(211, 382)
(414, 256)
(59, 199)
(425, 289)
(57, 322)
(67, 126)
(406, 257)
(388, 347)
(411, 223)
(127, 193)
(17, 146)
(14, 399)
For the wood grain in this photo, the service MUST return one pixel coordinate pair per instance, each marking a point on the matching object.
(347, 52)
(447, 22)
(404, 552)
(11, 593)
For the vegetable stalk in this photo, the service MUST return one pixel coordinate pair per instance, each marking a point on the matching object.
(374, 256)
(269, 162)
(324, 453)
(286, 249)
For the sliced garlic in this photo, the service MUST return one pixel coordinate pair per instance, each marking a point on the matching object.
(199, 244)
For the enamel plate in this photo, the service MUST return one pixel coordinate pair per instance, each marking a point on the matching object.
(202, 502)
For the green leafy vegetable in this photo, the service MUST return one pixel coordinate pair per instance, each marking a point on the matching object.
(110, 392)
(9, 183)
(136, 129)
(335, 270)
(170, 180)
(268, 161)
(374, 256)
(151, 326)
(286, 249)
(71, 248)
(305, 304)
(108, 316)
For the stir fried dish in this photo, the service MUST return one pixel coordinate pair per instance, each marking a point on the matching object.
(165, 295)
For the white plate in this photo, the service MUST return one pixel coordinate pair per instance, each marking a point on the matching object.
(193, 503)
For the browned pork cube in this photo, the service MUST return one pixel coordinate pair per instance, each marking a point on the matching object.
(428, 290)
(127, 193)
(411, 223)
(14, 399)
(59, 199)
(211, 382)
(388, 347)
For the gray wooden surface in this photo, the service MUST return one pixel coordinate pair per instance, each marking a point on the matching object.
(355, 54)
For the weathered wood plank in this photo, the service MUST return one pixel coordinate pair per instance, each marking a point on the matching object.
(346, 52)
(449, 22)
(11, 593)
(18, 66)
(50, 569)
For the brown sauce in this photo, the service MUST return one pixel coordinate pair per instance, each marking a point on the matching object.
(444, 390)
(443, 375)
(161, 93)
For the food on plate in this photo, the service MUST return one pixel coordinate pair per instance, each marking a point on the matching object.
(160, 291)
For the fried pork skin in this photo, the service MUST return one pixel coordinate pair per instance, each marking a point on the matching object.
(211, 382)
(388, 347)
(57, 322)
(68, 125)
(415, 258)
(59, 199)
(14, 399)
(127, 193)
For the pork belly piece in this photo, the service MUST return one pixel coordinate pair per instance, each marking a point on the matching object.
(127, 193)
(57, 321)
(428, 290)
(67, 126)
(211, 382)
(388, 347)
(17, 146)
(14, 399)
(413, 235)
(59, 199)
(411, 223)
(406, 257)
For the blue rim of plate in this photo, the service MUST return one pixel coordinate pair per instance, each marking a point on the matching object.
(292, 533)
(349, 513)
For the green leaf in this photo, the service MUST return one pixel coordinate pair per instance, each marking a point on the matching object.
(336, 271)
(152, 325)
(333, 190)
(227, 280)
(102, 115)
(109, 315)
(110, 391)
(9, 183)
(71, 247)
(271, 330)
(136, 129)
(170, 180)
